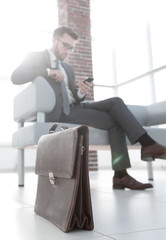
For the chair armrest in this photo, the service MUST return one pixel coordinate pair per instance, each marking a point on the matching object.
(37, 97)
(156, 114)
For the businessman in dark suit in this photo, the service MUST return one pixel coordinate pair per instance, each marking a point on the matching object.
(110, 114)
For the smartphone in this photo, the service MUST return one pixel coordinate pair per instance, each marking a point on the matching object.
(89, 80)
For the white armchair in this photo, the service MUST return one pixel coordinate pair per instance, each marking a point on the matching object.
(38, 98)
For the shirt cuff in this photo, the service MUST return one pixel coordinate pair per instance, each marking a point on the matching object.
(48, 71)
(80, 95)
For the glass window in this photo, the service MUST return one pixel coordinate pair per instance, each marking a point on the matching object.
(137, 92)
(26, 25)
(121, 47)
(160, 85)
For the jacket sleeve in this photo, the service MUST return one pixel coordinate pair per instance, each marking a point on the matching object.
(29, 69)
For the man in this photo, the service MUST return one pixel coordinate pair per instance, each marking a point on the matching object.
(110, 114)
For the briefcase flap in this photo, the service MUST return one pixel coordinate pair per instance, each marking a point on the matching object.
(56, 153)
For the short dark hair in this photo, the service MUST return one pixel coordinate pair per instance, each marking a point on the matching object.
(62, 30)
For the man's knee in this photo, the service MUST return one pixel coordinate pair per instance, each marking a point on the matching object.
(117, 100)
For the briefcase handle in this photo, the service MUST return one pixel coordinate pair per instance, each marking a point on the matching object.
(56, 127)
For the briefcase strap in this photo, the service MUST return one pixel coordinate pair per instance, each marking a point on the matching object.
(56, 127)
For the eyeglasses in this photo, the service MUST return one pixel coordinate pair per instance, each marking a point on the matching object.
(66, 45)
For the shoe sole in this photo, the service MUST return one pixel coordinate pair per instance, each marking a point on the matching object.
(116, 187)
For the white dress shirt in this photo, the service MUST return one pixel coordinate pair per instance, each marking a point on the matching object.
(53, 65)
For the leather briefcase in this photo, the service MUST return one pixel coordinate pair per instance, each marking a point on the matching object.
(63, 192)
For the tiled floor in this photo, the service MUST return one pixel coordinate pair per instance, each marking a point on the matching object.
(118, 214)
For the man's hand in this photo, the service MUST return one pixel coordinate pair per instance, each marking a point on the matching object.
(84, 87)
(57, 75)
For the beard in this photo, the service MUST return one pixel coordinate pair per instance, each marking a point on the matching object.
(60, 56)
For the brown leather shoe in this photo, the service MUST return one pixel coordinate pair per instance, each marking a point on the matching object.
(153, 151)
(129, 182)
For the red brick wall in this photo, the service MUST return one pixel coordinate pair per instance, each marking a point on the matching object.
(76, 15)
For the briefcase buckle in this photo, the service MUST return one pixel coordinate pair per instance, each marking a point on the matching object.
(52, 179)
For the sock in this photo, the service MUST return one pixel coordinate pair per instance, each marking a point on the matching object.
(120, 174)
(145, 140)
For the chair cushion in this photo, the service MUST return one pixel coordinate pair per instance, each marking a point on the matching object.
(28, 136)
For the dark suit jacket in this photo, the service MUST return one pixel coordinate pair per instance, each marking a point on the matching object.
(36, 64)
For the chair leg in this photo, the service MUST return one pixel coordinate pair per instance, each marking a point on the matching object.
(21, 167)
(150, 170)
